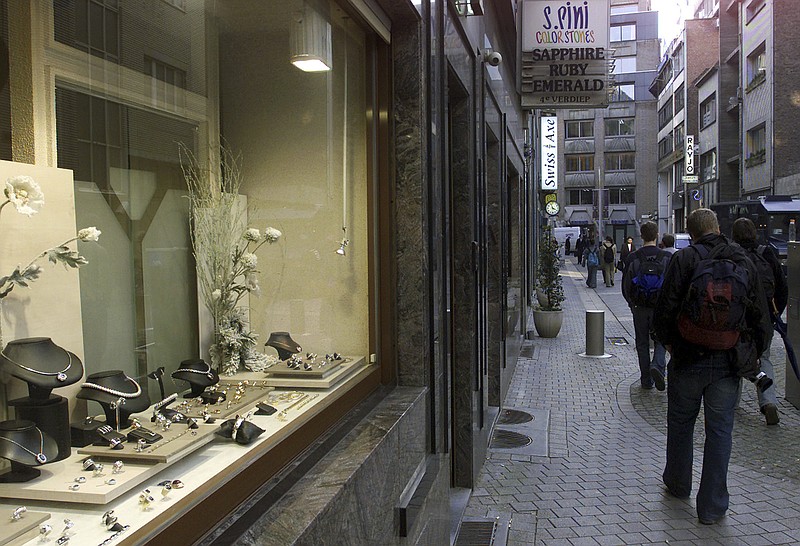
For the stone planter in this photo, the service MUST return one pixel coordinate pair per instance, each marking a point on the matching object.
(548, 323)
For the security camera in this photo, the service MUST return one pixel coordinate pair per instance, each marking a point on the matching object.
(493, 58)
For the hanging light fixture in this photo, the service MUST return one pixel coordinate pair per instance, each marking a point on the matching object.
(345, 241)
(310, 41)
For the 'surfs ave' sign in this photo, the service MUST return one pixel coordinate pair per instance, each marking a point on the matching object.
(565, 57)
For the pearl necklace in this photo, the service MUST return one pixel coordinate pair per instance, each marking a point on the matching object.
(207, 372)
(41, 458)
(106, 390)
(61, 376)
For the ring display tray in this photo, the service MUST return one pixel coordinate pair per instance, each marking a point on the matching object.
(280, 369)
(22, 530)
(345, 369)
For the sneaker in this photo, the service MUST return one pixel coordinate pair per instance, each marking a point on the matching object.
(770, 411)
(658, 379)
(708, 521)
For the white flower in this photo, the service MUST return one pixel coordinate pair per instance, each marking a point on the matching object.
(249, 260)
(252, 235)
(25, 194)
(271, 234)
(89, 234)
(216, 294)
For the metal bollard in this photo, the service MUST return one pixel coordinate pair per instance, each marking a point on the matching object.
(595, 333)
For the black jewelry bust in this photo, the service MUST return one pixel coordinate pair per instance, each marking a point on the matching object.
(42, 364)
(27, 447)
(107, 388)
(198, 374)
(284, 344)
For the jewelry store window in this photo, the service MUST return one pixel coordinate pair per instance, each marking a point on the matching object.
(211, 171)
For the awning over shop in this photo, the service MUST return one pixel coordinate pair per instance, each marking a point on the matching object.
(580, 217)
(620, 216)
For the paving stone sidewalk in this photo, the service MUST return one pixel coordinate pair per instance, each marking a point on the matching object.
(601, 481)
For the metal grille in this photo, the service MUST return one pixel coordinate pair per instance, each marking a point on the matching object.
(476, 533)
(508, 439)
(514, 417)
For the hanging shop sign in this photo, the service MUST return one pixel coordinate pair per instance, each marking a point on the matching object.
(689, 155)
(564, 52)
(548, 137)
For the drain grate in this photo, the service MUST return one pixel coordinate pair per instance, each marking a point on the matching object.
(514, 417)
(617, 341)
(476, 533)
(508, 439)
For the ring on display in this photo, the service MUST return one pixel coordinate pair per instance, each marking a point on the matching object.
(110, 481)
(74, 487)
(88, 464)
(17, 514)
(118, 467)
(80, 479)
(45, 529)
(97, 471)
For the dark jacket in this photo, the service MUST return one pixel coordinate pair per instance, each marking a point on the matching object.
(625, 251)
(781, 296)
(677, 279)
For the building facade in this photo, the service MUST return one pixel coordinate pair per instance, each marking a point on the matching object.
(608, 163)
(390, 154)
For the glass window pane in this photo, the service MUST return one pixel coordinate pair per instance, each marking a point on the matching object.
(96, 20)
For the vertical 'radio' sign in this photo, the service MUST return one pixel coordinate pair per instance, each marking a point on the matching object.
(689, 155)
(549, 152)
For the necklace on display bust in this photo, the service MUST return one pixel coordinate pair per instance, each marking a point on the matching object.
(41, 458)
(207, 372)
(113, 392)
(61, 376)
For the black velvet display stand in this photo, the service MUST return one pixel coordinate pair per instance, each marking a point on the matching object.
(198, 374)
(116, 380)
(38, 361)
(24, 432)
(284, 344)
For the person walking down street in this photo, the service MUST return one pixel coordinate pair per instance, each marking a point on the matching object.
(642, 279)
(668, 243)
(776, 291)
(567, 246)
(608, 254)
(627, 248)
(591, 255)
(579, 246)
(700, 371)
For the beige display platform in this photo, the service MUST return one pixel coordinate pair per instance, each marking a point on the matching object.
(345, 370)
(254, 393)
(21, 530)
(282, 370)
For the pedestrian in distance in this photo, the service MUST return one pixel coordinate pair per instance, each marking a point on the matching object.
(710, 351)
(627, 248)
(642, 280)
(579, 247)
(567, 246)
(591, 255)
(668, 243)
(776, 291)
(608, 252)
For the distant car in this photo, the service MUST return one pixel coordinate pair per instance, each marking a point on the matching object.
(682, 240)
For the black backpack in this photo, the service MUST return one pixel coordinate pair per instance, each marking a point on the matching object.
(713, 310)
(764, 271)
(608, 256)
(647, 277)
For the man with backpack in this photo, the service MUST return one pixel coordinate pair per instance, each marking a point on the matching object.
(608, 251)
(642, 278)
(776, 291)
(712, 317)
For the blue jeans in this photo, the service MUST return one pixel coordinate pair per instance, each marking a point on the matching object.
(591, 278)
(642, 326)
(768, 396)
(712, 381)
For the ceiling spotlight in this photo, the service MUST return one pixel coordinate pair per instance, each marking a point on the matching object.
(310, 41)
(340, 251)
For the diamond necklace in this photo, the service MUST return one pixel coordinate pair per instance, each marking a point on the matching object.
(61, 376)
(101, 388)
(207, 372)
(41, 458)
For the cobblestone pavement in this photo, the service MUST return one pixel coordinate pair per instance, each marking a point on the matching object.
(601, 481)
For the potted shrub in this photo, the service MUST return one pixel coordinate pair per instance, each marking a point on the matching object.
(548, 316)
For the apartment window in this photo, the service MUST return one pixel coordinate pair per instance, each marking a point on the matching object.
(756, 146)
(622, 196)
(665, 146)
(167, 83)
(625, 65)
(580, 163)
(665, 115)
(619, 127)
(679, 136)
(708, 165)
(580, 129)
(620, 161)
(680, 98)
(89, 25)
(753, 8)
(581, 197)
(708, 111)
(623, 92)
(677, 60)
(619, 9)
(622, 33)
(757, 67)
